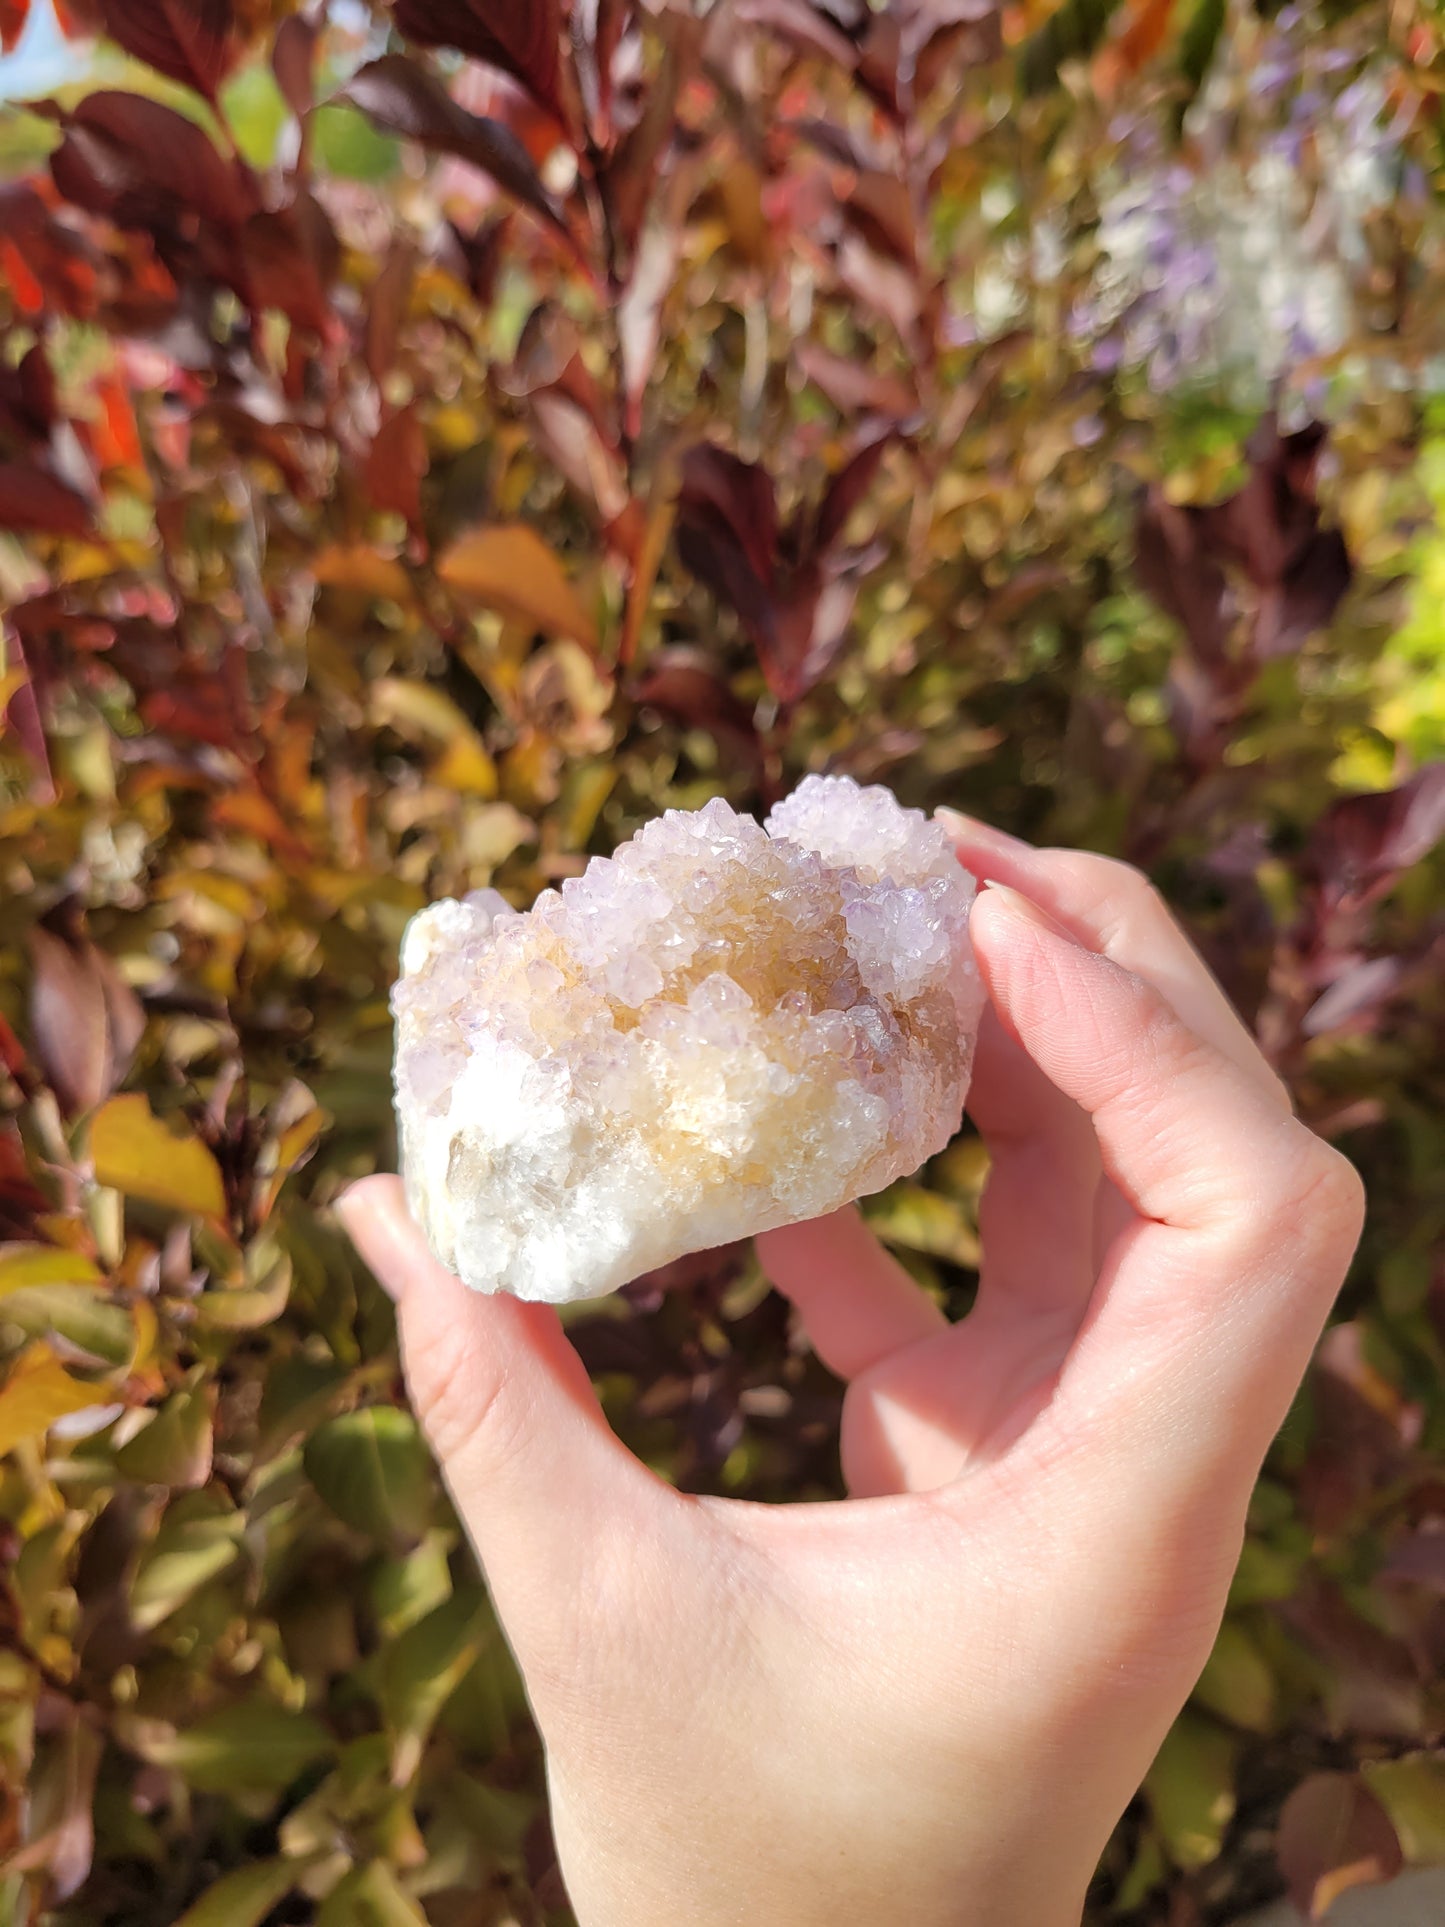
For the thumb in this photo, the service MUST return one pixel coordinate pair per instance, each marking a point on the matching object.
(540, 1479)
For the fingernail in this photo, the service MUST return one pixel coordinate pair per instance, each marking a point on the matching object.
(969, 829)
(1027, 911)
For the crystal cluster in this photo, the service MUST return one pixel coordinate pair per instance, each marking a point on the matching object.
(722, 1028)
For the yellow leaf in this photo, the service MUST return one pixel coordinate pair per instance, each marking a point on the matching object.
(511, 569)
(38, 1392)
(24, 1265)
(134, 1152)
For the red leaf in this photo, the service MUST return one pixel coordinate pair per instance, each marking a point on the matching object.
(522, 37)
(1334, 1834)
(34, 502)
(386, 306)
(719, 487)
(12, 22)
(1365, 840)
(46, 263)
(396, 465)
(849, 486)
(85, 1020)
(293, 62)
(22, 714)
(290, 259)
(133, 159)
(405, 99)
(682, 684)
(193, 41)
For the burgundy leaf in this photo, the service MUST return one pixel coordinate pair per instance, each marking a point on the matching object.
(34, 502)
(1364, 840)
(386, 306)
(397, 463)
(132, 158)
(715, 556)
(193, 41)
(1419, 1558)
(628, 180)
(1334, 1834)
(881, 210)
(683, 685)
(289, 260)
(522, 37)
(22, 714)
(718, 487)
(1177, 573)
(849, 486)
(293, 61)
(405, 99)
(85, 1021)
(1307, 598)
(852, 386)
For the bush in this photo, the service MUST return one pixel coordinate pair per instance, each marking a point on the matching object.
(431, 446)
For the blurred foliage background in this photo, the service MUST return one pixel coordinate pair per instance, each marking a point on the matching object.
(433, 439)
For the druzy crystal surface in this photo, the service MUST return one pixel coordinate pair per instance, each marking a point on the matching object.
(724, 1027)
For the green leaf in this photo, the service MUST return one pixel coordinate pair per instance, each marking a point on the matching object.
(346, 144)
(1199, 43)
(185, 1555)
(245, 1897)
(1190, 1790)
(1237, 1683)
(374, 1471)
(255, 1746)
(1071, 32)
(82, 1316)
(298, 1393)
(175, 1448)
(247, 1307)
(134, 1152)
(404, 1590)
(1412, 1792)
(370, 1897)
(421, 1670)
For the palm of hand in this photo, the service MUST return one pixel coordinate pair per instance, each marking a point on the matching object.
(933, 1703)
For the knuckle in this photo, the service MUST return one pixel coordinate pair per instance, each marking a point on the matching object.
(455, 1397)
(1327, 1188)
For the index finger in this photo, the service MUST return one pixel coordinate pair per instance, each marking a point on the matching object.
(1205, 1312)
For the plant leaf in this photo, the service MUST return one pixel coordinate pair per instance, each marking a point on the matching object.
(396, 94)
(134, 1152)
(1334, 1834)
(255, 1745)
(522, 37)
(245, 1897)
(373, 1470)
(193, 41)
(38, 1391)
(510, 568)
(24, 1265)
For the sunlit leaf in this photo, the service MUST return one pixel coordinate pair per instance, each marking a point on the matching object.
(136, 1153)
(38, 1391)
(511, 569)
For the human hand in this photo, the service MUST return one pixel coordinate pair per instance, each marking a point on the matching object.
(929, 1703)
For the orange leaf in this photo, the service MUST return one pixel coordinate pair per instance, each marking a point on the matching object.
(512, 570)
